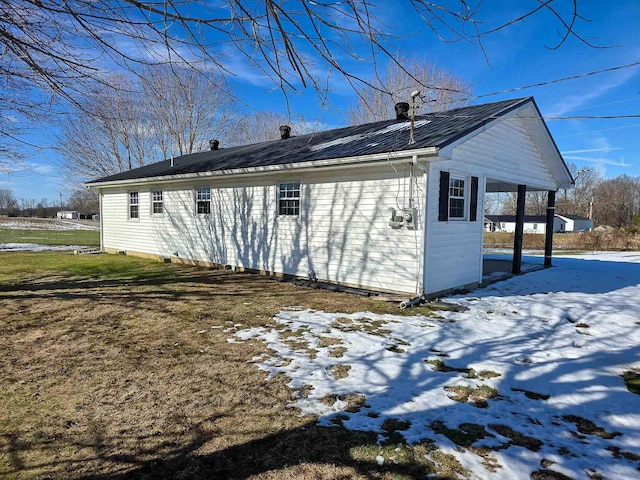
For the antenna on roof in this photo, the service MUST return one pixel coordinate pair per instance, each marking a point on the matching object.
(414, 94)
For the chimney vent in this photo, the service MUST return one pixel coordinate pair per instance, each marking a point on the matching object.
(213, 144)
(285, 131)
(402, 111)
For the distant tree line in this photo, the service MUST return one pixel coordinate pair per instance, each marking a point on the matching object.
(614, 202)
(85, 202)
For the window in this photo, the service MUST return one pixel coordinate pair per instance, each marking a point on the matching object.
(134, 205)
(456, 198)
(535, 227)
(289, 199)
(203, 200)
(156, 202)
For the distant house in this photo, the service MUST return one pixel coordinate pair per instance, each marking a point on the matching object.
(395, 205)
(537, 223)
(507, 223)
(574, 223)
(67, 214)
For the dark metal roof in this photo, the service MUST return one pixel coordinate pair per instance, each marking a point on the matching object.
(431, 130)
(512, 218)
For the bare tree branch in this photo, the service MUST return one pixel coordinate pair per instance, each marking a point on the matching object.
(439, 90)
(60, 47)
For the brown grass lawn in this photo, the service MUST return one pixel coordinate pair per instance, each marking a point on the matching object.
(116, 367)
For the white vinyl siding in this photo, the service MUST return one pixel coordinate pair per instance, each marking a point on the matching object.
(342, 232)
(503, 151)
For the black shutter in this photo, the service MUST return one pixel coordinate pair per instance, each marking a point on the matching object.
(473, 213)
(443, 204)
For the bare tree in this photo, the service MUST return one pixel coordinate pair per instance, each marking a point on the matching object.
(617, 201)
(579, 199)
(28, 207)
(55, 46)
(167, 111)
(42, 208)
(106, 133)
(185, 108)
(84, 201)
(438, 90)
(8, 202)
(255, 127)
(535, 203)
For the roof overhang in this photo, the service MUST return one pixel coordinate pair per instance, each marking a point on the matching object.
(535, 125)
(417, 155)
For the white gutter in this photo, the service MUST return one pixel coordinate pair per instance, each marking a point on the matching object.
(335, 163)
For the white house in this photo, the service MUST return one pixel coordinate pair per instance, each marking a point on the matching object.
(394, 206)
(537, 223)
(507, 223)
(574, 223)
(67, 214)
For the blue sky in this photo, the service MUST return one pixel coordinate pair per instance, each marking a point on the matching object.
(517, 56)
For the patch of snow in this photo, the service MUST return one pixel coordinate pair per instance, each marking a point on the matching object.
(34, 247)
(45, 224)
(394, 127)
(526, 329)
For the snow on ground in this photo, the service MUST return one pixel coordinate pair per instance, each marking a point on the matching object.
(34, 247)
(46, 224)
(560, 339)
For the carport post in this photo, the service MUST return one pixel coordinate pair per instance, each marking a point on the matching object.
(517, 241)
(548, 240)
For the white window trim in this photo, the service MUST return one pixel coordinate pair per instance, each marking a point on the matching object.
(466, 194)
(129, 204)
(277, 193)
(152, 202)
(195, 199)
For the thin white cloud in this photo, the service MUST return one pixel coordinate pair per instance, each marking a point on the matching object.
(591, 150)
(40, 169)
(575, 102)
(599, 161)
(242, 70)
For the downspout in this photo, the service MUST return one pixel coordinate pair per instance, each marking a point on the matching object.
(419, 298)
(425, 176)
(101, 217)
(481, 219)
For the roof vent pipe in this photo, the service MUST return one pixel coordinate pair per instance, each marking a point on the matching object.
(213, 144)
(285, 131)
(402, 111)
